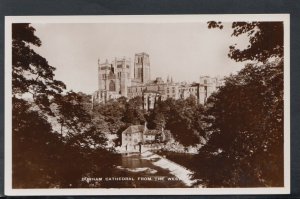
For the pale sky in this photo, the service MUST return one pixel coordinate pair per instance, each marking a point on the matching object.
(184, 51)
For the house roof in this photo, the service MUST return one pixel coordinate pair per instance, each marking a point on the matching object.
(134, 129)
(152, 132)
(141, 128)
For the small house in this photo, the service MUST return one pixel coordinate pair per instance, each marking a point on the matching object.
(137, 135)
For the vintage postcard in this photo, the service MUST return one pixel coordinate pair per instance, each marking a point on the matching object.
(147, 105)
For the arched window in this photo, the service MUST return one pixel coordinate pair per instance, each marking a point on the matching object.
(140, 73)
(112, 86)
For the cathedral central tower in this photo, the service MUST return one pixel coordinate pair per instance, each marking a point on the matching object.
(142, 67)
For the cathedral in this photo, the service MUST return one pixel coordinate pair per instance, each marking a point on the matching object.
(115, 80)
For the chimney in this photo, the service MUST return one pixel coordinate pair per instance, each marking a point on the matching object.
(163, 136)
(145, 126)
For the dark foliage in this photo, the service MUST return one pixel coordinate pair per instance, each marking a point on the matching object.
(181, 117)
(214, 24)
(134, 111)
(35, 148)
(245, 147)
(42, 157)
(31, 72)
(110, 115)
(116, 115)
(244, 119)
(71, 112)
(265, 40)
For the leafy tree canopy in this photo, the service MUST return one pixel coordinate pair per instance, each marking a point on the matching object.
(181, 117)
(43, 158)
(134, 111)
(31, 72)
(265, 40)
(247, 130)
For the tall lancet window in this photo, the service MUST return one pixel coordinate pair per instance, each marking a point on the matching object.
(112, 86)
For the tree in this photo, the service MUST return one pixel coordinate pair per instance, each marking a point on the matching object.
(247, 130)
(181, 122)
(265, 40)
(112, 113)
(157, 118)
(42, 157)
(85, 141)
(181, 117)
(244, 119)
(71, 113)
(108, 117)
(35, 148)
(134, 113)
(86, 101)
(31, 72)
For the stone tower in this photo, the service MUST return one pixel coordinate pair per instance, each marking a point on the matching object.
(142, 67)
(103, 74)
(122, 72)
(114, 76)
(207, 86)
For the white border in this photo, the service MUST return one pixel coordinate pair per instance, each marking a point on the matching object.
(144, 19)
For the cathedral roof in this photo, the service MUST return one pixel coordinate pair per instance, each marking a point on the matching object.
(150, 91)
(142, 53)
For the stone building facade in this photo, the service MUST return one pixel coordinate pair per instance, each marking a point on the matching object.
(208, 85)
(115, 80)
(136, 136)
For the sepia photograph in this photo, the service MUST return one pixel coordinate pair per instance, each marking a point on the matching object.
(181, 104)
